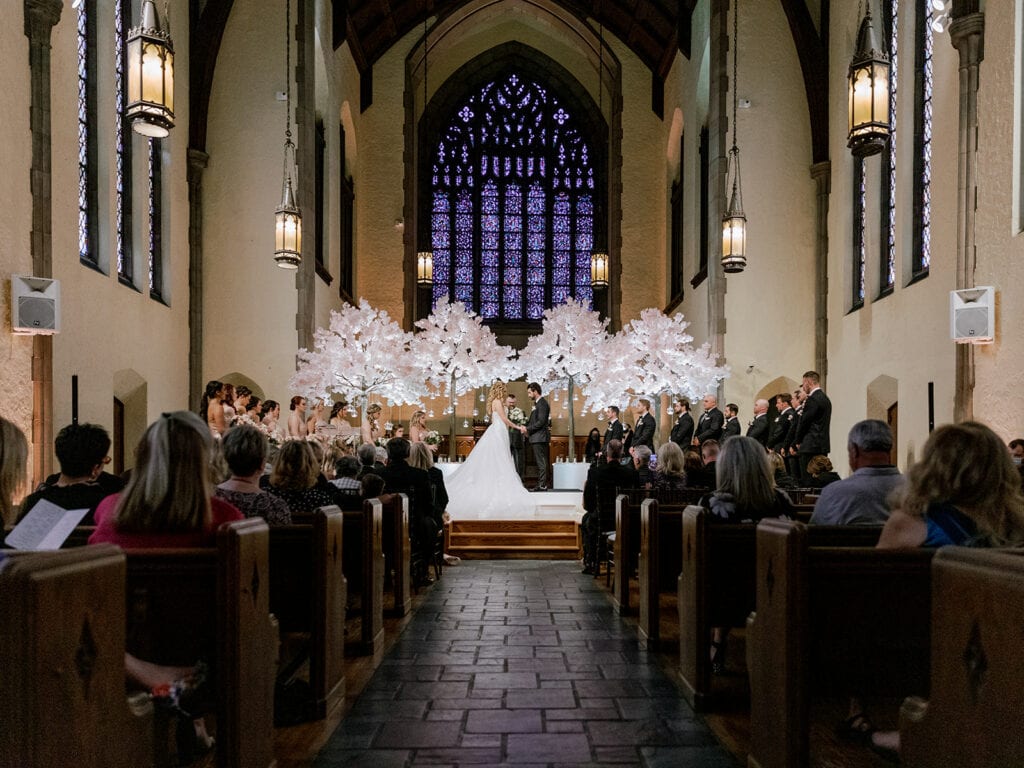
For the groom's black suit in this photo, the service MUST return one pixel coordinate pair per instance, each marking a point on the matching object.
(538, 435)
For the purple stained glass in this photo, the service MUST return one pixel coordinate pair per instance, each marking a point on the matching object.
(489, 275)
(561, 224)
(489, 310)
(535, 201)
(561, 258)
(559, 293)
(535, 241)
(560, 276)
(464, 293)
(489, 292)
(513, 298)
(583, 263)
(513, 244)
(536, 276)
(513, 275)
(585, 294)
(489, 240)
(584, 240)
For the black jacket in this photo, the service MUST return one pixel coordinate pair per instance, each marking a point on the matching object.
(812, 433)
(399, 477)
(710, 425)
(682, 431)
(643, 432)
(614, 431)
(780, 430)
(758, 429)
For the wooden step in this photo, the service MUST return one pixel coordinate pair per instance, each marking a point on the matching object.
(514, 539)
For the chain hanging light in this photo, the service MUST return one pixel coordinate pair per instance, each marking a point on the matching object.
(425, 256)
(599, 256)
(288, 217)
(869, 92)
(734, 222)
(149, 55)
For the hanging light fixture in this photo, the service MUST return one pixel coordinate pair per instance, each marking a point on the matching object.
(425, 256)
(734, 222)
(288, 217)
(149, 54)
(869, 92)
(599, 256)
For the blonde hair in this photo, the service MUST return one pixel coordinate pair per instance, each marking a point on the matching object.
(13, 461)
(296, 467)
(416, 417)
(169, 490)
(819, 464)
(498, 392)
(968, 466)
(670, 460)
(419, 456)
(372, 408)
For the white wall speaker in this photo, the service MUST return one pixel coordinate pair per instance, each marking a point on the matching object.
(35, 305)
(972, 315)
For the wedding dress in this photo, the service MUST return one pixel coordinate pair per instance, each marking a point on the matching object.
(486, 486)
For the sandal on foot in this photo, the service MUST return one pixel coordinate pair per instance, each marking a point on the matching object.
(857, 728)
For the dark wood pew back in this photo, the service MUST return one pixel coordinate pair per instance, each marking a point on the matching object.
(659, 561)
(214, 604)
(838, 621)
(973, 719)
(308, 595)
(363, 564)
(717, 586)
(397, 550)
(62, 690)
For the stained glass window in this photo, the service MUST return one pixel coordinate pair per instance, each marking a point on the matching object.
(123, 147)
(156, 250)
(512, 185)
(887, 207)
(859, 255)
(923, 141)
(87, 203)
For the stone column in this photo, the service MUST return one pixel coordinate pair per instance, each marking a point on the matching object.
(822, 175)
(718, 128)
(196, 164)
(40, 18)
(967, 33)
(305, 187)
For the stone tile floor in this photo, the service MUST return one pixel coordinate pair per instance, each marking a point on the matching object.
(520, 663)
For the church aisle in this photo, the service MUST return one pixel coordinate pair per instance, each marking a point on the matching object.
(520, 663)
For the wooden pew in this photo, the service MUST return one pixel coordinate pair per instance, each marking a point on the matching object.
(214, 603)
(62, 641)
(659, 562)
(835, 621)
(627, 534)
(308, 595)
(398, 551)
(717, 586)
(973, 719)
(363, 565)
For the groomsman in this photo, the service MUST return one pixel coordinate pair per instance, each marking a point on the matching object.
(792, 461)
(643, 432)
(711, 421)
(731, 428)
(780, 427)
(812, 433)
(614, 430)
(682, 430)
(758, 428)
(515, 437)
(538, 433)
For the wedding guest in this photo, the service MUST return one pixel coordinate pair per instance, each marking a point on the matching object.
(168, 501)
(821, 471)
(642, 464)
(783, 479)
(604, 479)
(13, 464)
(295, 478)
(367, 455)
(372, 486)
(82, 453)
(370, 430)
(401, 477)
(593, 448)
(211, 409)
(693, 466)
(345, 470)
(669, 472)
(421, 458)
(245, 451)
(380, 457)
(399, 431)
(297, 418)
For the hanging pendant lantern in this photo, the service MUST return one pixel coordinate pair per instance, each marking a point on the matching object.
(599, 255)
(734, 222)
(869, 92)
(599, 269)
(288, 216)
(149, 54)
(425, 268)
(425, 257)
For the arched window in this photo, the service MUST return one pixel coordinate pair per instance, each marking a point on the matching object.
(512, 190)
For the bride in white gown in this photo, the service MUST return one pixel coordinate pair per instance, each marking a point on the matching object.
(486, 485)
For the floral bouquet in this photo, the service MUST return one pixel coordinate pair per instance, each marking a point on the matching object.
(382, 442)
(432, 437)
(516, 416)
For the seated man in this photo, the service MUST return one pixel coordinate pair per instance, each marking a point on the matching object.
(642, 464)
(706, 477)
(604, 480)
(82, 453)
(862, 498)
(399, 477)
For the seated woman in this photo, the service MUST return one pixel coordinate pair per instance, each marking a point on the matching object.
(965, 491)
(245, 451)
(13, 464)
(296, 478)
(746, 494)
(421, 458)
(669, 474)
(693, 468)
(821, 471)
(782, 478)
(592, 452)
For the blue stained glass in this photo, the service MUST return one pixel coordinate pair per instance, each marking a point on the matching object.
(535, 241)
(583, 263)
(561, 241)
(489, 292)
(484, 160)
(585, 294)
(584, 206)
(489, 240)
(513, 297)
(441, 239)
(519, 166)
(513, 243)
(489, 310)
(535, 201)
(463, 240)
(560, 258)
(536, 276)
(560, 276)
(441, 205)
(464, 293)
(489, 273)
(559, 293)
(584, 241)
(513, 275)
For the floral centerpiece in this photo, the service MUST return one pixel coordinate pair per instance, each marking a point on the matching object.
(432, 437)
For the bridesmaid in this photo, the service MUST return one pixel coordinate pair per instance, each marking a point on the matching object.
(370, 428)
(212, 408)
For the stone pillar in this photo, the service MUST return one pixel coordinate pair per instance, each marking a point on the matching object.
(40, 18)
(305, 187)
(822, 175)
(967, 33)
(718, 128)
(196, 164)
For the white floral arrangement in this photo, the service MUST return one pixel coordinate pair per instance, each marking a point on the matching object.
(432, 437)
(516, 416)
(353, 440)
(388, 427)
(381, 442)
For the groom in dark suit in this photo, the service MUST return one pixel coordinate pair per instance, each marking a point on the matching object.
(538, 434)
